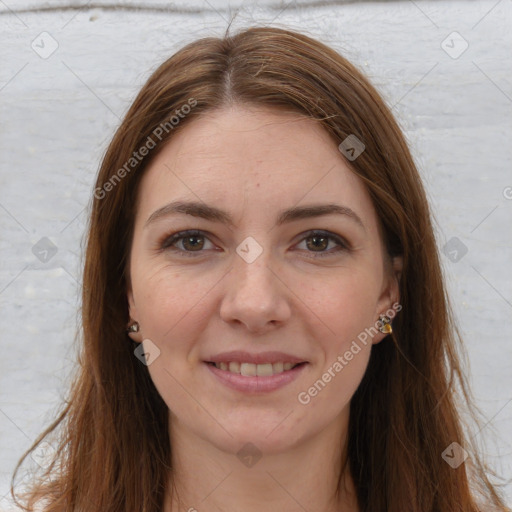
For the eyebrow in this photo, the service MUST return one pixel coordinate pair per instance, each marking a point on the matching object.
(212, 213)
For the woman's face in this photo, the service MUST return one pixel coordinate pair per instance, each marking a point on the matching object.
(252, 289)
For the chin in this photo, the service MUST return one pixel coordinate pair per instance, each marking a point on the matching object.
(267, 432)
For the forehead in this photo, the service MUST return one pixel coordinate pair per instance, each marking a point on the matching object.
(256, 160)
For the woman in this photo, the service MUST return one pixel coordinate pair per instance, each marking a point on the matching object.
(265, 322)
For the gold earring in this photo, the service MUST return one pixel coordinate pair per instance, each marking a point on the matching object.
(135, 327)
(385, 322)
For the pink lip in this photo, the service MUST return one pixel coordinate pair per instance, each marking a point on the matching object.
(255, 384)
(239, 356)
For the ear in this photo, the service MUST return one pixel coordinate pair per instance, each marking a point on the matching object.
(389, 300)
(132, 311)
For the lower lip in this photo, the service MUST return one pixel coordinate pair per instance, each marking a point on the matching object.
(256, 384)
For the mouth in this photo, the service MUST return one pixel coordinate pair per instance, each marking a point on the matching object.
(255, 370)
(255, 374)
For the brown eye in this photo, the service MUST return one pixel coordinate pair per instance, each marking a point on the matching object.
(192, 241)
(318, 242)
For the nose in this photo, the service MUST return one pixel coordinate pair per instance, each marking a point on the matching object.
(256, 295)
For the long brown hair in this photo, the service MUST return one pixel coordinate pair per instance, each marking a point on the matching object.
(112, 451)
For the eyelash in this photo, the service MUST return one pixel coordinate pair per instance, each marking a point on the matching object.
(168, 241)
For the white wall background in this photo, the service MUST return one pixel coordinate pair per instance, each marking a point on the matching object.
(59, 110)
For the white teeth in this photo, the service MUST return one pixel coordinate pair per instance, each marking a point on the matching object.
(234, 367)
(253, 370)
(248, 369)
(264, 370)
(278, 367)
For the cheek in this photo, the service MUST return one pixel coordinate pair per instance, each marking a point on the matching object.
(345, 354)
(327, 397)
(347, 310)
(172, 315)
(346, 307)
(169, 300)
(174, 309)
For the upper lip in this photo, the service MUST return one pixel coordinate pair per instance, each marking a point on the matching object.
(240, 356)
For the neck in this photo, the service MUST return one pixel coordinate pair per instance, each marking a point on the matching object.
(310, 476)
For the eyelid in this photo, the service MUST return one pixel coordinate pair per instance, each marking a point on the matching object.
(342, 244)
(168, 240)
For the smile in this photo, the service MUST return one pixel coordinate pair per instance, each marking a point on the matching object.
(255, 370)
(255, 378)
